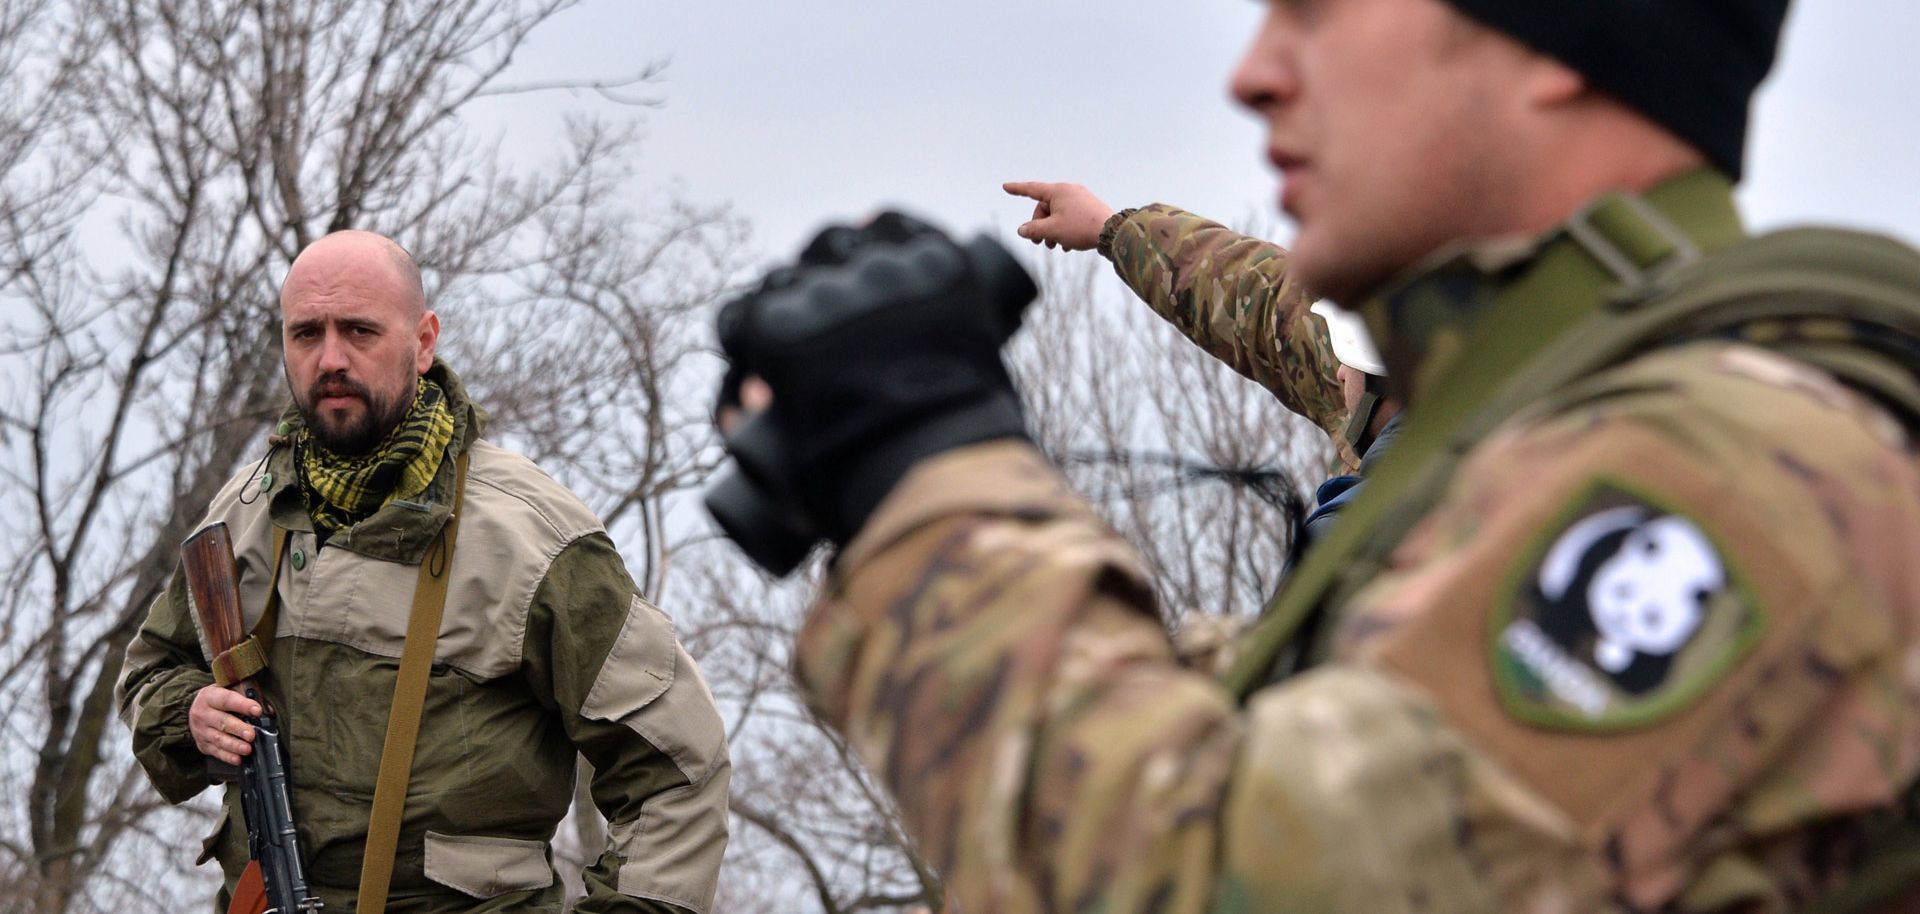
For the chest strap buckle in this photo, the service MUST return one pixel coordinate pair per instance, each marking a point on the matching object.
(1631, 240)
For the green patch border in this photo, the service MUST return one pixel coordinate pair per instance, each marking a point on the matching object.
(1638, 715)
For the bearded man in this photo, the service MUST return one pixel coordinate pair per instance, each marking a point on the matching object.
(545, 651)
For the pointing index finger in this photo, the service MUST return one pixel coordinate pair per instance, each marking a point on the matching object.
(1032, 190)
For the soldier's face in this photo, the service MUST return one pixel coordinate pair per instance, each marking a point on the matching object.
(355, 345)
(1389, 121)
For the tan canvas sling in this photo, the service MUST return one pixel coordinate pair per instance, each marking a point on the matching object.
(403, 720)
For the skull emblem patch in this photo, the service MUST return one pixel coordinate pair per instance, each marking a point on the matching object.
(1627, 611)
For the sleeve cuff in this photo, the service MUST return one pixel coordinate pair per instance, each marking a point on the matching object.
(1112, 227)
(162, 742)
(166, 716)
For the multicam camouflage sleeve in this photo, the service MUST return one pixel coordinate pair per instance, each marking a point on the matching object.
(1233, 296)
(1672, 672)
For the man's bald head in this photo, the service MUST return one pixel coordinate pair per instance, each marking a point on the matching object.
(357, 335)
(360, 257)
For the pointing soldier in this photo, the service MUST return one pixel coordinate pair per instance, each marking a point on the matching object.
(1234, 297)
(1674, 671)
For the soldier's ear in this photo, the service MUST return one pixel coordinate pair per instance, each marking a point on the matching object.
(1552, 84)
(428, 334)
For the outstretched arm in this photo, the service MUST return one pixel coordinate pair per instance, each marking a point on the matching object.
(1229, 293)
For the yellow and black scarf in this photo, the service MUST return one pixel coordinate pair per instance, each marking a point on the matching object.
(342, 491)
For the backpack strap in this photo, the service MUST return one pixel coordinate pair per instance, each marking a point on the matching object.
(1618, 249)
(1846, 302)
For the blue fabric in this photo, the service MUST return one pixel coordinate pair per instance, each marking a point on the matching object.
(1336, 492)
(1331, 495)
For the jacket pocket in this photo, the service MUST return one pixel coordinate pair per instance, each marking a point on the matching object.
(483, 867)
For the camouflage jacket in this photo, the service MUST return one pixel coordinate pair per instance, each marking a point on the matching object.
(1233, 297)
(546, 652)
(1675, 672)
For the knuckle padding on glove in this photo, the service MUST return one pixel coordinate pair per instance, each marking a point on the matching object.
(881, 345)
(871, 281)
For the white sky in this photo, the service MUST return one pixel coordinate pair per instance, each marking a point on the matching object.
(797, 112)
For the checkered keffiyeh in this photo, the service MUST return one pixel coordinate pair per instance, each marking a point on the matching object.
(342, 491)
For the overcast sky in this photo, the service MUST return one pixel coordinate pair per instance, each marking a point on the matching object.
(794, 112)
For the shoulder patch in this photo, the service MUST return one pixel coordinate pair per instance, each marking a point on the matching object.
(1621, 614)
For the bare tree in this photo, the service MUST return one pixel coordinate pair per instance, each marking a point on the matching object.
(173, 159)
(41, 55)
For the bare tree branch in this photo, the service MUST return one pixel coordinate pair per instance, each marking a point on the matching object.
(609, 89)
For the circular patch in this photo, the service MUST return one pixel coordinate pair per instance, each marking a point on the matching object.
(1622, 614)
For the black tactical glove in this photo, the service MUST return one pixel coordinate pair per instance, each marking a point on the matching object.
(882, 347)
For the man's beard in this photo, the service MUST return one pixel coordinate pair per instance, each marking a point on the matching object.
(356, 435)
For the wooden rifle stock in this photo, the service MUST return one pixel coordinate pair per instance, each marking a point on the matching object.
(207, 559)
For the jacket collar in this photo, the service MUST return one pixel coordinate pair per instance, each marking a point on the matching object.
(1528, 290)
(400, 531)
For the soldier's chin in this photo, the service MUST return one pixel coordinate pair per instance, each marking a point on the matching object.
(1322, 271)
(1333, 272)
(347, 433)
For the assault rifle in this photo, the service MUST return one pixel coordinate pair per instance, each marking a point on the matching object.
(275, 881)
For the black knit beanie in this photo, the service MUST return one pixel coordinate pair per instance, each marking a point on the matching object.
(1689, 65)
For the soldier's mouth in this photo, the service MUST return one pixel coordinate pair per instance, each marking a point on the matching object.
(1285, 161)
(1292, 168)
(338, 395)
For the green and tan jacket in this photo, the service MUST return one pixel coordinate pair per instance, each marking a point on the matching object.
(1645, 641)
(546, 651)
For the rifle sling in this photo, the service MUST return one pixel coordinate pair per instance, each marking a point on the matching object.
(403, 720)
(245, 660)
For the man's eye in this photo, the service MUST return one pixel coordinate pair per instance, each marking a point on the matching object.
(1301, 9)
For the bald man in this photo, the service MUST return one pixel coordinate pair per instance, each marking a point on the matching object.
(545, 650)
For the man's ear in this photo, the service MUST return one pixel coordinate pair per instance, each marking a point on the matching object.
(429, 334)
(1552, 84)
